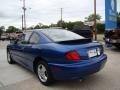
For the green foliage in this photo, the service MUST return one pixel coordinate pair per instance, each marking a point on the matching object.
(45, 26)
(37, 27)
(101, 28)
(61, 24)
(11, 29)
(91, 18)
(40, 26)
(69, 25)
(118, 14)
(1, 30)
(118, 19)
(53, 25)
(30, 28)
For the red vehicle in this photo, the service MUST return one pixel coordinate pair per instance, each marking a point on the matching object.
(15, 35)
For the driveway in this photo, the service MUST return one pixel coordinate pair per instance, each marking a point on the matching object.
(15, 77)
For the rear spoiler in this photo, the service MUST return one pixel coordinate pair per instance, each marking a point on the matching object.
(80, 41)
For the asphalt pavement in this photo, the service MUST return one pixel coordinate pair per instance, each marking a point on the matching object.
(15, 77)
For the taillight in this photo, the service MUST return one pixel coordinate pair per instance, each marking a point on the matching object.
(72, 55)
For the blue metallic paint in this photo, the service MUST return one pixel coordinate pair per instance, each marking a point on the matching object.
(53, 54)
(78, 70)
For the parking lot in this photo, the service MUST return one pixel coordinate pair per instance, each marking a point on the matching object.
(15, 77)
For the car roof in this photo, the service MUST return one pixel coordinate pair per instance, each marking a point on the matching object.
(39, 30)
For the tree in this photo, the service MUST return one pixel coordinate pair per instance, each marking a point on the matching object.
(2, 28)
(40, 26)
(78, 24)
(91, 18)
(30, 28)
(37, 27)
(118, 19)
(71, 25)
(12, 29)
(61, 24)
(44, 26)
(101, 28)
(53, 25)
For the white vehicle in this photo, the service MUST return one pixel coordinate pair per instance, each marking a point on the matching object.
(3, 37)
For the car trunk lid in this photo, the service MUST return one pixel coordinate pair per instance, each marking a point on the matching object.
(86, 48)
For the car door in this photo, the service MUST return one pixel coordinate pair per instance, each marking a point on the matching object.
(29, 50)
(18, 48)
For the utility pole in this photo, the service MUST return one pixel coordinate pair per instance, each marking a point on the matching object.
(24, 14)
(95, 22)
(22, 23)
(61, 17)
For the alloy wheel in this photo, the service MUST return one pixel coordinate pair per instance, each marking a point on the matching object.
(42, 73)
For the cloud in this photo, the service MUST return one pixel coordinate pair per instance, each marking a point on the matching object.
(2, 15)
(48, 11)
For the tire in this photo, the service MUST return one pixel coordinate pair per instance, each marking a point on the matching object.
(9, 58)
(44, 74)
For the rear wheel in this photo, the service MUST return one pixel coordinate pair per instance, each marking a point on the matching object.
(44, 74)
(9, 58)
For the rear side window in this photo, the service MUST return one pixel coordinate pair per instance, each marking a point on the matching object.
(34, 38)
(23, 38)
(27, 36)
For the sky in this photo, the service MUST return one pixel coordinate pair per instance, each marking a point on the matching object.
(48, 11)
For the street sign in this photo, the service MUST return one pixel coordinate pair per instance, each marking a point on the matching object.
(111, 14)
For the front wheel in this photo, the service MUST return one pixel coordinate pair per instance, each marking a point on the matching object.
(44, 74)
(9, 58)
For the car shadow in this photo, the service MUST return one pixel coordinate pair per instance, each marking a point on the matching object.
(79, 84)
(115, 49)
(24, 69)
(88, 82)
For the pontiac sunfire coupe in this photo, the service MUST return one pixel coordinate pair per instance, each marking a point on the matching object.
(56, 54)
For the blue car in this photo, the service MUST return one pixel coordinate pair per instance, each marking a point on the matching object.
(56, 54)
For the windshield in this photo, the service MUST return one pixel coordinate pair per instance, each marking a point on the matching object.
(61, 35)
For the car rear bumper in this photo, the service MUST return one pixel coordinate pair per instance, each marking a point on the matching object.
(78, 70)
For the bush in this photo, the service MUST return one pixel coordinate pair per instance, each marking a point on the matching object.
(101, 28)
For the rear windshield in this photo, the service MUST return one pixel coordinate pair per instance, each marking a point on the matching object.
(61, 35)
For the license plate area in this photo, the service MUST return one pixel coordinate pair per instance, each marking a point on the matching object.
(93, 53)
